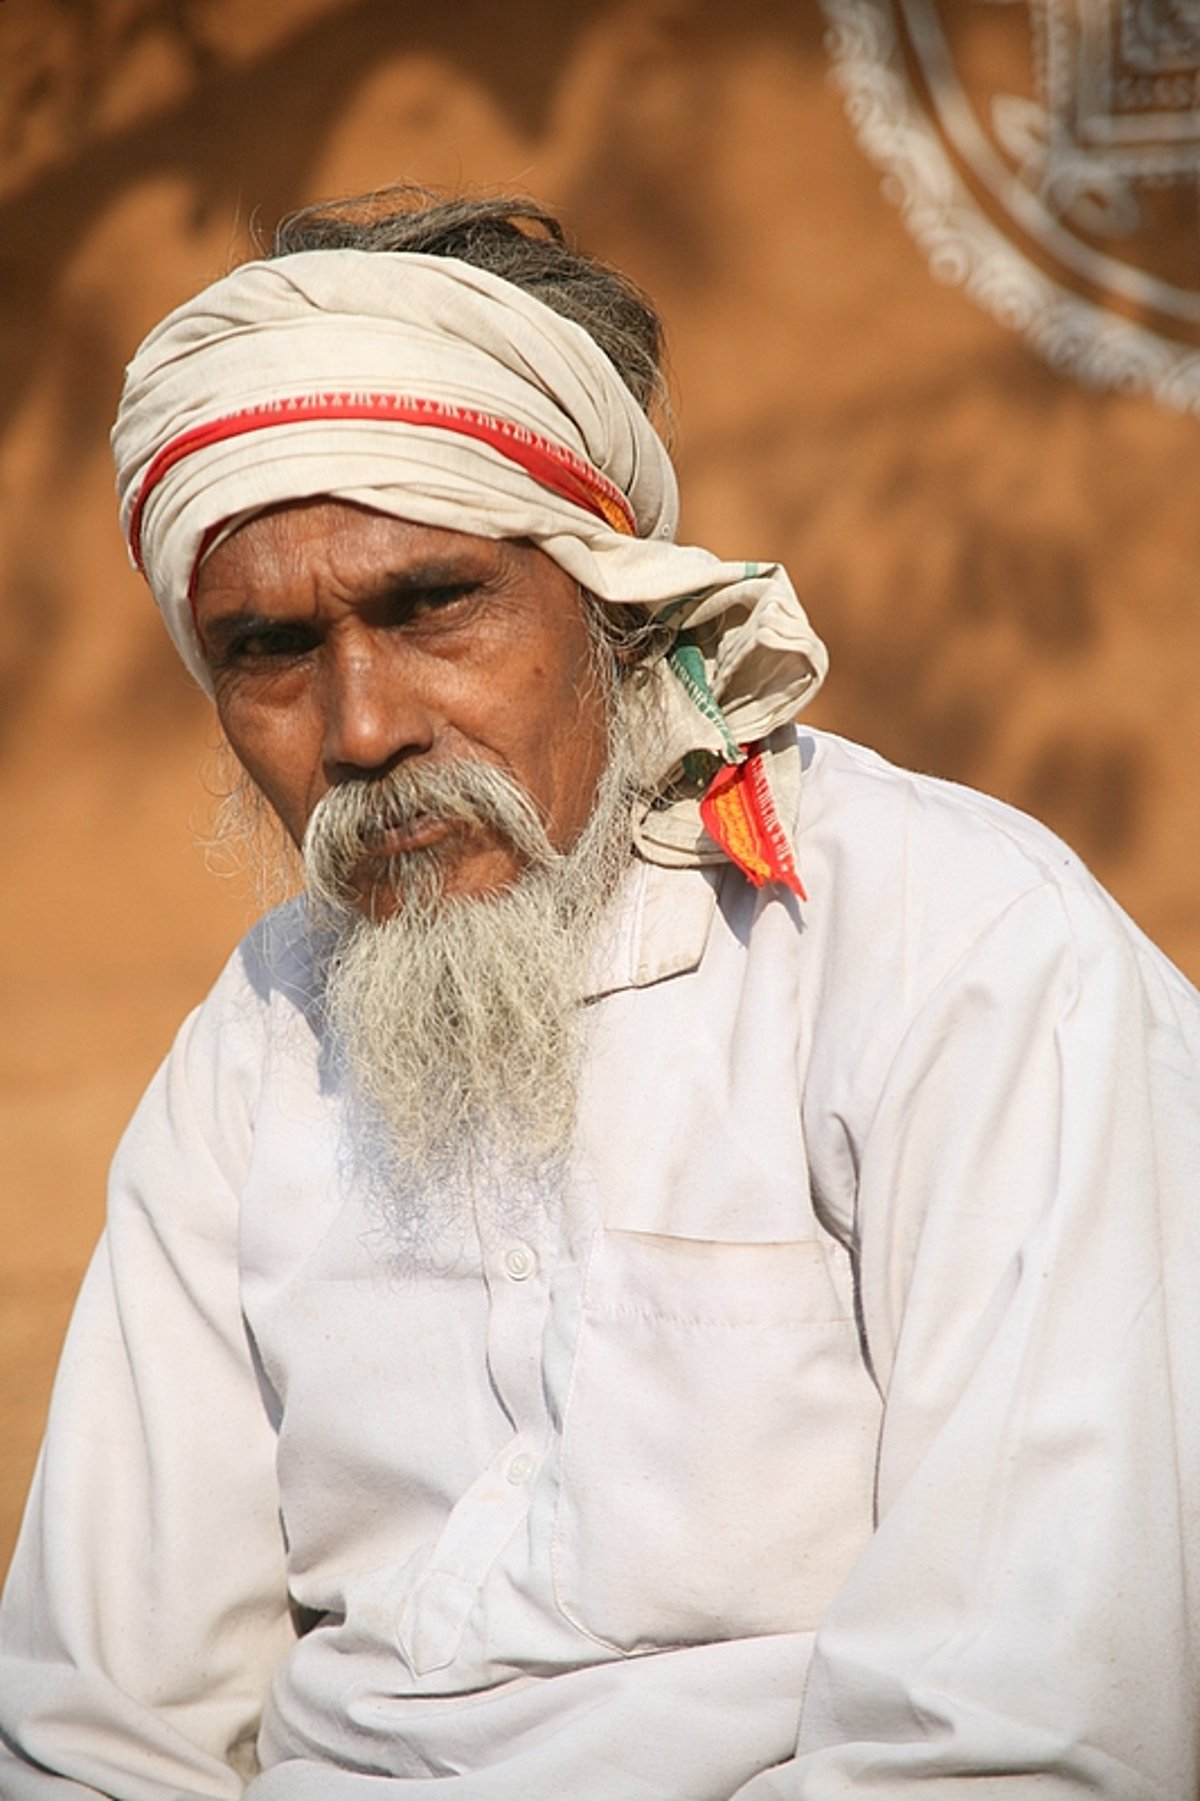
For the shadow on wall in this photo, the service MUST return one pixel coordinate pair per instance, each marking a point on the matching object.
(272, 116)
(953, 606)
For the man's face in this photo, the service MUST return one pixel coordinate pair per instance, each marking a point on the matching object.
(344, 642)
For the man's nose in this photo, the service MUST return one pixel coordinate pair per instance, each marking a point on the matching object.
(373, 714)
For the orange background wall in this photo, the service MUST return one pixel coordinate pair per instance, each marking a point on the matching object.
(1003, 564)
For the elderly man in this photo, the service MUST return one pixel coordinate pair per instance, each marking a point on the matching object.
(670, 1273)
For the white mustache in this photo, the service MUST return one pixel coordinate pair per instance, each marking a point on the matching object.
(348, 822)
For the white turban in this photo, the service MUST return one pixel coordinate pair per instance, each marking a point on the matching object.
(423, 387)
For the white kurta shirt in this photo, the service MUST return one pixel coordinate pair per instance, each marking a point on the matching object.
(834, 1432)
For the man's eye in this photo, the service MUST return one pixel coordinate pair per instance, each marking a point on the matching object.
(261, 644)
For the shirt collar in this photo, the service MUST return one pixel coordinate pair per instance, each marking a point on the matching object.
(658, 927)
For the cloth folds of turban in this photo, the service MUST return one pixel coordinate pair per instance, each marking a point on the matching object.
(423, 387)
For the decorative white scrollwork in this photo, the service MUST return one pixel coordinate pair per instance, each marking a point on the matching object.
(1045, 154)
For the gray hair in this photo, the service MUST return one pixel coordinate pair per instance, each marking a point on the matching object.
(513, 237)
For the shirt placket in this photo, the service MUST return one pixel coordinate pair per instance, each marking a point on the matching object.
(515, 1269)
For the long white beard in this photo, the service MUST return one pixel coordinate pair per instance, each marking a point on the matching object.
(459, 1019)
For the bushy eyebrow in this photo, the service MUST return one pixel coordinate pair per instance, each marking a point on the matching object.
(427, 576)
(431, 572)
(434, 575)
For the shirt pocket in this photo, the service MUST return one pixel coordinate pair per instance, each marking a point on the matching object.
(718, 1443)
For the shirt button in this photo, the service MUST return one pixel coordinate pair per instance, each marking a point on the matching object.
(521, 1467)
(520, 1262)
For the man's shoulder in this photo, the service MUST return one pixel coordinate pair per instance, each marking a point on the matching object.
(907, 873)
(931, 906)
(275, 959)
(267, 987)
(857, 807)
(256, 1022)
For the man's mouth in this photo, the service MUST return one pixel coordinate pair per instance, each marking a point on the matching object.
(469, 825)
(418, 833)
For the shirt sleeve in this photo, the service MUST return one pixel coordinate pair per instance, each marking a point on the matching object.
(147, 1604)
(1025, 1614)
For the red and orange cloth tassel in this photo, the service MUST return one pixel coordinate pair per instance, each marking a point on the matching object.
(738, 812)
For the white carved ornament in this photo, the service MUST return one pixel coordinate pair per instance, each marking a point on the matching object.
(1058, 202)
